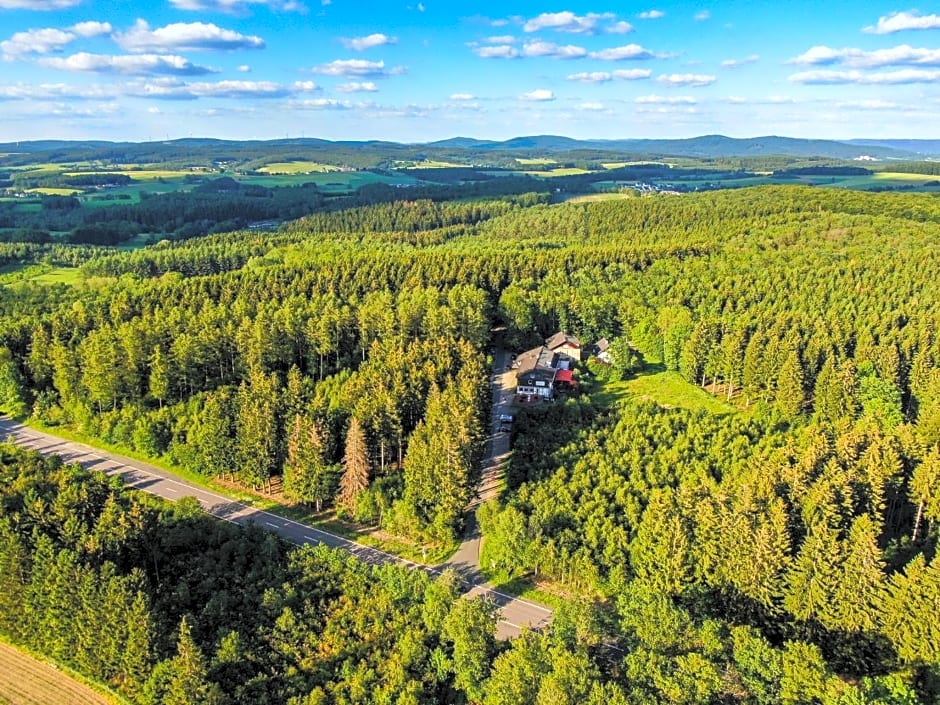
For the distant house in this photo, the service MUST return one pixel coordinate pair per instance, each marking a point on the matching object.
(565, 344)
(601, 350)
(535, 372)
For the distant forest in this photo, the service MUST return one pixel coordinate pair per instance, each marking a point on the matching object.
(783, 550)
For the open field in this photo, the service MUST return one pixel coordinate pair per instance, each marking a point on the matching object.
(28, 681)
(595, 197)
(50, 191)
(42, 274)
(535, 162)
(669, 389)
(298, 168)
(429, 164)
(341, 181)
(560, 171)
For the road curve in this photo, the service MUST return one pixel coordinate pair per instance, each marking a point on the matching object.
(514, 614)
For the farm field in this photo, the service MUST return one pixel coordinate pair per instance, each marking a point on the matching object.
(27, 681)
(338, 182)
(298, 168)
(560, 171)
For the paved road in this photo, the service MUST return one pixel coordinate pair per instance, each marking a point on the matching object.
(514, 613)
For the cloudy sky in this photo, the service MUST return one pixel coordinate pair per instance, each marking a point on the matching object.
(419, 71)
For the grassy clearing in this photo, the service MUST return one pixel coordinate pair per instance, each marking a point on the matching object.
(50, 191)
(336, 182)
(667, 389)
(621, 165)
(535, 162)
(595, 197)
(25, 680)
(560, 171)
(42, 274)
(298, 168)
(429, 164)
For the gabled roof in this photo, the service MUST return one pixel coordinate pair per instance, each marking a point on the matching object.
(564, 376)
(540, 358)
(601, 345)
(559, 339)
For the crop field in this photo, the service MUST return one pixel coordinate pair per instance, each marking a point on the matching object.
(298, 168)
(428, 164)
(50, 191)
(339, 182)
(535, 162)
(595, 197)
(560, 171)
(27, 681)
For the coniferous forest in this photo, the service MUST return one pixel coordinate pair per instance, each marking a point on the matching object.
(782, 551)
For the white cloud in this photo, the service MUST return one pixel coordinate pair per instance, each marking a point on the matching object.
(136, 65)
(735, 63)
(322, 104)
(651, 15)
(902, 55)
(357, 87)
(462, 96)
(502, 51)
(686, 79)
(901, 21)
(869, 105)
(591, 107)
(305, 87)
(42, 5)
(46, 91)
(666, 100)
(358, 68)
(624, 53)
(900, 77)
(703, 16)
(555, 51)
(605, 76)
(538, 95)
(92, 29)
(183, 36)
(620, 27)
(501, 39)
(238, 89)
(367, 42)
(35, 41)
(236, 7)
(567, 21)
(244, 68)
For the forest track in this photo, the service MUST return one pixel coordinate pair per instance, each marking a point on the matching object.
(514, 613)
(25, 680)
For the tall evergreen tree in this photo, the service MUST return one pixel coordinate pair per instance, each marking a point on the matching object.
(355, 479)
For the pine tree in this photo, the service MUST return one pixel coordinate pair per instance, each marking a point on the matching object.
(925, 490)
(188, 684)
(860, 591)
(814, 576)
(213, 438)
(160, 376)
(305, 468)
(355, 477)
(257, 425)
(791, 396)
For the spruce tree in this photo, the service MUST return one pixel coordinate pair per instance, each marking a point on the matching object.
(355, 477)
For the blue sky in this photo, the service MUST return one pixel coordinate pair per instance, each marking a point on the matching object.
(421, 71)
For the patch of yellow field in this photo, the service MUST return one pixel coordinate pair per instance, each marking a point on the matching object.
(297, 168)
(54, 191)
(535, 162)
(561, 171)
(28, 681)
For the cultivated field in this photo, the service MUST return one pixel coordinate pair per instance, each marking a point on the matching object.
(297, 168)
(26, 681)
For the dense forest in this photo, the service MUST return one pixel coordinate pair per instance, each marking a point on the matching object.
(782, 552)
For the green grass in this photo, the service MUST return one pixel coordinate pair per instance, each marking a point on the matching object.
(428, 164)
(337, 182)
(297, 168)
(43, 274)
(667, 389)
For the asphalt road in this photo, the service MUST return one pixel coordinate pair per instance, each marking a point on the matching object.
(514, 614)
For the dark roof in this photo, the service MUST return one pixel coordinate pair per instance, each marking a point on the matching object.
(540, 358)
(559, 339)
